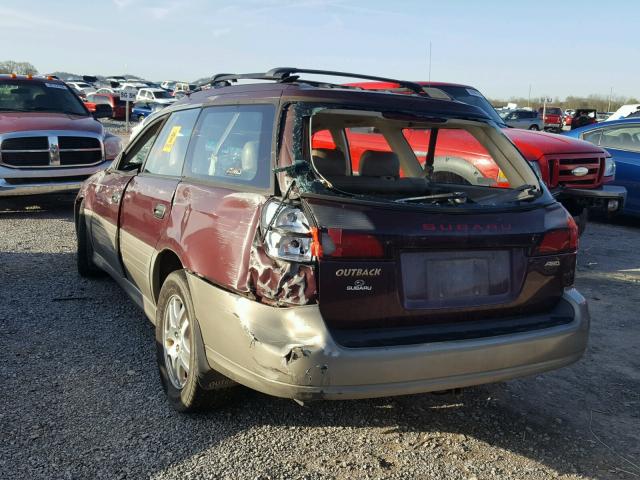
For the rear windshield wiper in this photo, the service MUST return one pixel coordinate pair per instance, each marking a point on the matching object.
(521, 193)
(457, 198)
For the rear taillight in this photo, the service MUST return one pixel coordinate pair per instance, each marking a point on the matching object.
(561, 240)
(287, 234)
(339, 243)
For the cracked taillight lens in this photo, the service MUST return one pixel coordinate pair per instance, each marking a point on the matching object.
(287, 233)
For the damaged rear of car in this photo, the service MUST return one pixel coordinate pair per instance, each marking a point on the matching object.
(291, 237)
(371, 276)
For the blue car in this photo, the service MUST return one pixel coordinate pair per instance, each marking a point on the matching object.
(144, 109)
(621, 138)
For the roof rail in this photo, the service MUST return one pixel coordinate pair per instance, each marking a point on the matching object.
(290, 74)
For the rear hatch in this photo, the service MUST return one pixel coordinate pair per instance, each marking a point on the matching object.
(387, 267)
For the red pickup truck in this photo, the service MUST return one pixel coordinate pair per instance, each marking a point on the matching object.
(576, 172)
(49, 141)
(553, 118)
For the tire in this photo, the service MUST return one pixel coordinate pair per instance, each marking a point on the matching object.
(534, 127)
(443, 176)
(84, 252)
(178, 341)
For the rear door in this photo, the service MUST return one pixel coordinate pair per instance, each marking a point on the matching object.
(104, 206)
(147, 201)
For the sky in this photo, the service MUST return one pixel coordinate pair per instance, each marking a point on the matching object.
(556, 48)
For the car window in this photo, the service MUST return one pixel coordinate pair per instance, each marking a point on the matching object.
(169, 149)
(233, 144)
(621, 138)
(137, 154)
(593, 136)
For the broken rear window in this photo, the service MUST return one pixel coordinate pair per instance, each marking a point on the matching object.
(406, 157)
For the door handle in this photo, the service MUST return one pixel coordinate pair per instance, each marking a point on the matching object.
(115, 198)
(158, 210)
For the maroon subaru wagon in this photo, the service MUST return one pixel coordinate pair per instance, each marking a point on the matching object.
(267, 261)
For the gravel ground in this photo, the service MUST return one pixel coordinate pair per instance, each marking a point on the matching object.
(82, 397)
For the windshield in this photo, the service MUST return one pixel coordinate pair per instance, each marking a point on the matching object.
(472, 97)
(412, 159)
(34, 96)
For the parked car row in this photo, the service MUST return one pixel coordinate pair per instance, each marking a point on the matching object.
(165, 91)
(555, 119)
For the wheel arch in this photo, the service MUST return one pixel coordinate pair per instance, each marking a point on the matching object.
(457, 166)
(165, 262)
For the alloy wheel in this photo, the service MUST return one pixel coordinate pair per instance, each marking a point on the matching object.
(176, 338)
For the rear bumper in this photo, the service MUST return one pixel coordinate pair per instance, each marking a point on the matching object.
(597, 198)
(15, 181)
(288, 352)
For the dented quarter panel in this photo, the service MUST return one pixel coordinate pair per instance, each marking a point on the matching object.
(278, 282)
(212, 230)
(263, 339)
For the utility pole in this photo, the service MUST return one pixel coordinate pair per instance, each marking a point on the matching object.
(610, 95)
(529, 101)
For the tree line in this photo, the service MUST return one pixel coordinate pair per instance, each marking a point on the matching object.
(601, 103)
(21, 68)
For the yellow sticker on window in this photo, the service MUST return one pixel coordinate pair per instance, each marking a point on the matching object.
(173, 136)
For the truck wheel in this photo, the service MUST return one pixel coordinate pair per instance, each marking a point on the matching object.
(534, 127)
(180, 353)
(84, 252)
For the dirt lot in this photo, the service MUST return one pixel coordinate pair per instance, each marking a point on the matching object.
(82, 399)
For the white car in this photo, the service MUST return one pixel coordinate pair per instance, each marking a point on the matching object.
(133, 86)
(107, 90)
(168, 84)
(82, 87)
(157, 95)
(623, 111)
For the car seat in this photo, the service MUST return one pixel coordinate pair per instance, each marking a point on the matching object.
(329, 162)
(249, 160)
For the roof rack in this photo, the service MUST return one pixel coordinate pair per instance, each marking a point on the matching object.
(291, 74)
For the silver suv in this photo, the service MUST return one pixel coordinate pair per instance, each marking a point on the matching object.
(526, 119)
